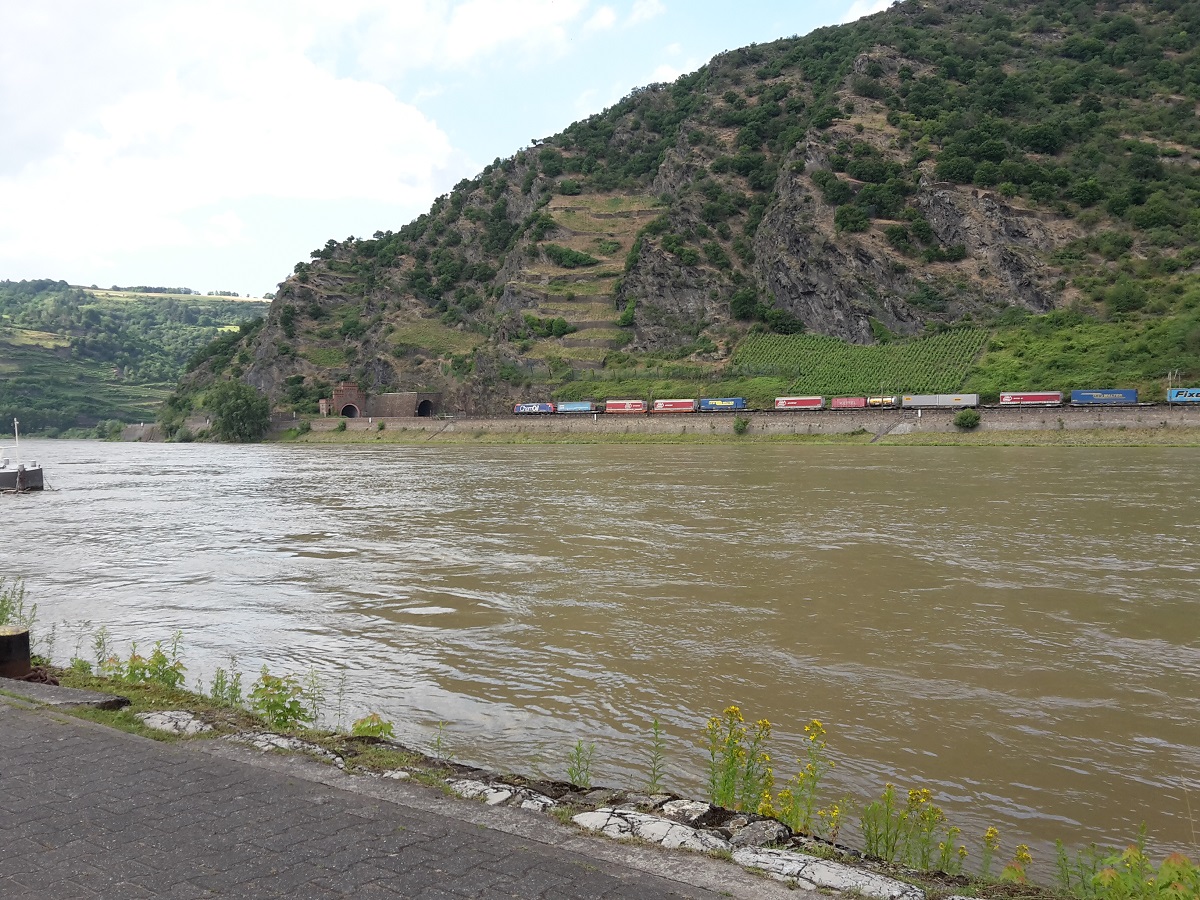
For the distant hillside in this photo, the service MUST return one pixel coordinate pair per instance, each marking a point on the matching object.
(1026, 168)
(72, 357)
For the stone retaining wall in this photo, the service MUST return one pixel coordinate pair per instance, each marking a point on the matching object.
(876, 421)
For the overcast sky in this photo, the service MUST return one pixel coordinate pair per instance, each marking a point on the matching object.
(212, 144)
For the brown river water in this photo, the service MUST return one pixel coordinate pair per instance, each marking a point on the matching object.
(1017, 629)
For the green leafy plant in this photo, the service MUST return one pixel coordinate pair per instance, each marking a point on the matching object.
(656, 758)
(741, 424)
(797, 802)
(1014, 872)
(441, 747)
(966, 419)
(280, 700)
(1132, 875)
(579, 764)
(13, 610)
(991, 843)
(226, 688)
(161, 667)
(372, 725)
(739, 776)
(882, 825)
(1078, 875)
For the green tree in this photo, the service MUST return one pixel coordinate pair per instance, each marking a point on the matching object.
(240, 413)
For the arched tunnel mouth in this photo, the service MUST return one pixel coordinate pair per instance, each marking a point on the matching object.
(350, 411)
(425, 409)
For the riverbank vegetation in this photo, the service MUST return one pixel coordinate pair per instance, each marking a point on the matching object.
(906, 835)
(1053, 436)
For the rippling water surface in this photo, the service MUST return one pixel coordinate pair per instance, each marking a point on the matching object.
(1017, 629)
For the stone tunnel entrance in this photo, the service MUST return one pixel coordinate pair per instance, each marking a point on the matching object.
(350, 411)
(425, 409)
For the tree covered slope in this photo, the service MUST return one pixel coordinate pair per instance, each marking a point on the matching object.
(73, 357)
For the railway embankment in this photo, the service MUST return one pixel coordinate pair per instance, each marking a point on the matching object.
(1101, 425)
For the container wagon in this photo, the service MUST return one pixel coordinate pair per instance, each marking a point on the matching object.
(722, 404)
(799, 402)
(1105, 397)
(674, 406)
(533, 409)
(1183, 395)
(1031, 398)
(578, 406)
(624, 406)
(939, 401)
(883, 402)
(848, 403)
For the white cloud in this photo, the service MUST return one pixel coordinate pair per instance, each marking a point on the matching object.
(388, 41)
(644, 10)
(860, 8)
(603, 19)
(228, 108)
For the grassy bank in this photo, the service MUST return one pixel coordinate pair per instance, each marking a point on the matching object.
(1094, 437)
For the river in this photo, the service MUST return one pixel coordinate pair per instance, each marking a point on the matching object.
(1016, 629)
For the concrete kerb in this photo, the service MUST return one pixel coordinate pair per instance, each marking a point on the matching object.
(60, 697)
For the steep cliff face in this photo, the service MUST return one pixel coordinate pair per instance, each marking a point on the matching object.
(940, 162)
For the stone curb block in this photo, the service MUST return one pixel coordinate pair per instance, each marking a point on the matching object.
(495, 794)
(626, 824)
(173, 722)
(821, 874)
(265, 741)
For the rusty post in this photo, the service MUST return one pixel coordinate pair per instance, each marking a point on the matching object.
(14, 652)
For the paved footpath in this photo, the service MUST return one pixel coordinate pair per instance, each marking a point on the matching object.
(88, 811)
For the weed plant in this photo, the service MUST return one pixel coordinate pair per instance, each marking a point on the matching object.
(656, 758)
(162, 667)
(372, 725)
(797, 802)
(280, 700)
(441, 747)
(13, 609)
(579, 764)
(991, 843)
(739, 774)
(226, 687)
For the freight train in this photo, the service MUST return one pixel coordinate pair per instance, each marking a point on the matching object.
(1105, 397)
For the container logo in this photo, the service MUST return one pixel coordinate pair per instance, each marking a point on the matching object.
(1183, 395)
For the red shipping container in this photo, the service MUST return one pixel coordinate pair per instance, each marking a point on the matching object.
(676, 406)
(624, 406)
(848, 403)
(799, 402)
(1030, 398)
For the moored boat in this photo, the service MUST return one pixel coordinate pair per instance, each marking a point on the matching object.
(15, 475)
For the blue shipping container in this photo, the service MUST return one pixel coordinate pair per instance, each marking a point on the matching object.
(1115, 397)
(577, 406)
(533, 408)
(708, 404)
(1183, 395)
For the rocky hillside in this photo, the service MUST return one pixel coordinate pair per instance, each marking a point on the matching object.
(945, 163)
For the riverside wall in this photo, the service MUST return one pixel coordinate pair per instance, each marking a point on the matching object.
(824, 422)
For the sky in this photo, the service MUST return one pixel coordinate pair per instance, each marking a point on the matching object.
(213, 144)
